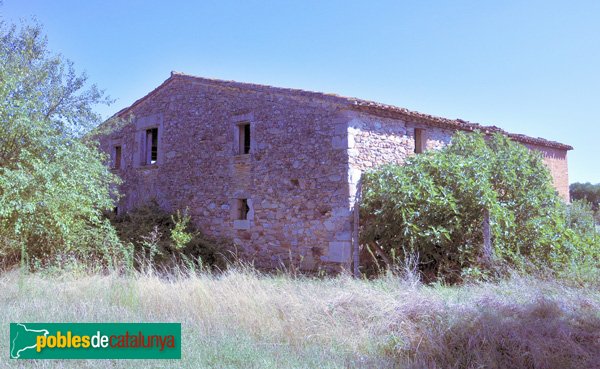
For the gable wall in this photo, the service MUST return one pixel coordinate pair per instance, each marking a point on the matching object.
(294, 177)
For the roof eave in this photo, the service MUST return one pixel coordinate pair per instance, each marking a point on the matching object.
(394, 112)
(357, 104)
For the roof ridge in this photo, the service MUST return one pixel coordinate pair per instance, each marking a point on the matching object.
(224, 82)
(368, 106)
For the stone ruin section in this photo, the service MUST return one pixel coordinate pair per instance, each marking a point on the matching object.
(280, 194)
(274, 170)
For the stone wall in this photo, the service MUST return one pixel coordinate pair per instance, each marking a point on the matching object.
(307, 153)
(294, 176)
(374, 141)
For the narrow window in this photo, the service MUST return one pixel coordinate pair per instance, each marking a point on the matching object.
(243, 209)
(117, 158)
(244, 138)
(151, 145)
(419, 141)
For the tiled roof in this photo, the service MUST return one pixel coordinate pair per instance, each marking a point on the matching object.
(382, 109)
(370, 107)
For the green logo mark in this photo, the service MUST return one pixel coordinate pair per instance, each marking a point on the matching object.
(95, 341)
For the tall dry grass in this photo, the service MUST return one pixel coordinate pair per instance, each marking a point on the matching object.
(243, 319)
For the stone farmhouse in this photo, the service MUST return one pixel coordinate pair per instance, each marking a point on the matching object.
(274, 169)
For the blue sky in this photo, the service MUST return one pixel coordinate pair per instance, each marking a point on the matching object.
(530, 67)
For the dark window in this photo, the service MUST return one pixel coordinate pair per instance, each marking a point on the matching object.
(151, 145)
(243, 209)
(117, 158)
(244, 138)
(419, 141)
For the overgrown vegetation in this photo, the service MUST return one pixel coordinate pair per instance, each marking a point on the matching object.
(55, 190)
(53, 186)
(161, 239)
(434, 207)
(243, 319)
(589, 193)
(584, 261)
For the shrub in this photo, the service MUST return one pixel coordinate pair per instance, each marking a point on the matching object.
(584, 263)
(160, 238)
(589, 193)
(586, 191)
(580, 218)
(434, 207)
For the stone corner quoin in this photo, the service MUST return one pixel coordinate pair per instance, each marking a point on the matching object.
(274, 169)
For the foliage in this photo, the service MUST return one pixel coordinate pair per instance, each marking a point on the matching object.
(586, 191)
(160, 238)
(179, 234)
(53, 186)
(590, 193)
(580, 217)
(585, 257)
(434, 207)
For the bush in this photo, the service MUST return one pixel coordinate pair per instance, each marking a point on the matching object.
(434, 207)
(580, 218)
(162, 239)
(586, 191)
(584, 262)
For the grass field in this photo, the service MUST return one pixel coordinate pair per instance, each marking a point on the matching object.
(242, 319)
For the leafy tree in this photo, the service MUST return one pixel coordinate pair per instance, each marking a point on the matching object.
(586, 191)
(435, 205)
(53, 186)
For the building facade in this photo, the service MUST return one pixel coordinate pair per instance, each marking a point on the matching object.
(273, 169)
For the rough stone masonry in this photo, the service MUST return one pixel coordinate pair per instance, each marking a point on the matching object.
(273, 169)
